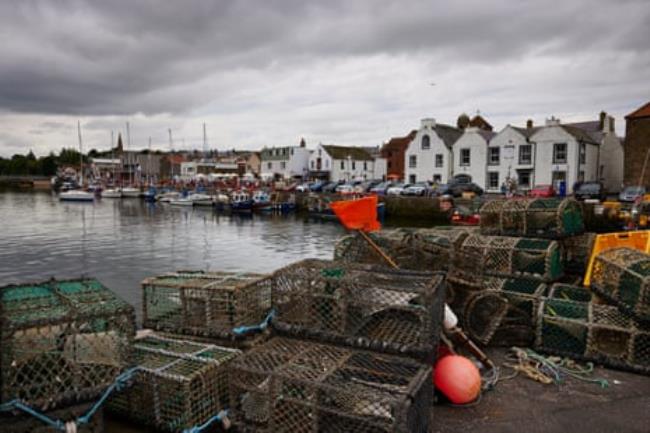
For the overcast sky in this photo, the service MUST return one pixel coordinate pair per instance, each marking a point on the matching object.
(352, 72)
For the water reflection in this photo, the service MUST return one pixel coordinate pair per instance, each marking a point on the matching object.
(123, 241)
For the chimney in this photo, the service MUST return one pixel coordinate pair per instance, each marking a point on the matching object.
(463, 121)
(428, 123)
(602, 118)
(529, 124)
(612, 127)
(302, 142)
(552, 121)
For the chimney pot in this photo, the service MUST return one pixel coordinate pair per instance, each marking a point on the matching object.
(529, 123)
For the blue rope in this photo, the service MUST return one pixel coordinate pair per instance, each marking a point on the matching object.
(16, 404)
(261, 327)
(119, 383)
(198, 429)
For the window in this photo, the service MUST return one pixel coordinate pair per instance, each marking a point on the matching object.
(464, 157)
(493, 155)
(342, 165)
(583, 153)
(365, 166)
(269, 165)
(412, 178)
(354, 165)
(525, 154)
(493, 179)
(438, 159)
(559, 153)
(523, 178)
(426, 142)
(413, 161)
(327, 163)
(312, 164)
(437, 178)
(283, 165)
(390, 165)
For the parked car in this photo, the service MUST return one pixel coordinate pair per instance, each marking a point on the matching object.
(345, 188)
(330, 187)
(396, 189)
(381, 188)
(420, 189)
(441, 189)
(317, 186)
(542, 191)
(458, 189)
(631, 193)
(590, 190)
(303, 188)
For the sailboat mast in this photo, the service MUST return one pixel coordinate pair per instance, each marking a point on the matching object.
(128, 147)
(171, 152)
(81, 156)
(149, 175)
(113, 155)
(205, 141)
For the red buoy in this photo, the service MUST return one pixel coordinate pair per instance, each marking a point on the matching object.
(458, 379)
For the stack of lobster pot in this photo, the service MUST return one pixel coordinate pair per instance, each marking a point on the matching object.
(353, 351)
(63, 344)
(498, 277)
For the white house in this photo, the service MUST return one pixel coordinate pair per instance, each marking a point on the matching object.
(285, 162)
(193, 169)
(610, 169)
(473, 159)
(564, 153)
(429, 156)
(341, 163)
(516, 158)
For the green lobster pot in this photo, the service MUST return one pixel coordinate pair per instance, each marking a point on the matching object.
(62, 342)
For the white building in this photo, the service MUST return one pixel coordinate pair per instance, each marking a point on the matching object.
(341, 163)
(564, 153)
(473, 159)
(286, 162)
(429, 156)
(193, 169)
(516, 158)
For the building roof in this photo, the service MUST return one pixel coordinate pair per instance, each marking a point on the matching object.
(644, 111)
(343, 152)
(526, 132)
(487, 135)
(580, 134)
(399, 144)
(448, 134)
(480, 122)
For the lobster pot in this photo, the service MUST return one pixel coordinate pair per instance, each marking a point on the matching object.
(179, 384)
(23, 423)
(622, 276)
(395, 311)
(208, 304)
(396, 243)
(535, 217)
(62, 342)
(298, 386)
(415, 249)
(577, 251)
(479, 256)
(572, 293)
(592, 332)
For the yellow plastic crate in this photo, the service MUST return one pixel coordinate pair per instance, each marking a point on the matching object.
(638, 240)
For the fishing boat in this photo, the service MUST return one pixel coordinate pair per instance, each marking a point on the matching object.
(130, 192)
(221, 201)
(240, 201)
(112, 193)
(199, 199)
(149, 195)
(261, 201)
(278, 205)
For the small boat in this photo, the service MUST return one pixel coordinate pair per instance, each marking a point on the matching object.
(261, 201)
(130, 192)
(241, 201)
(277, 205)
(199, 199)
(181, 201)
(167, 196)
(76, 195)
(112, 193)
(221, 201)
(149, 195)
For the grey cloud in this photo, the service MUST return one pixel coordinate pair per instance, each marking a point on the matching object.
(122, 57)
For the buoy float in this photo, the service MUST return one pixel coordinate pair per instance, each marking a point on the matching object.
(458, 379)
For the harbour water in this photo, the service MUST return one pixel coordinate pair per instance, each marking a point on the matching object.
(121, 242)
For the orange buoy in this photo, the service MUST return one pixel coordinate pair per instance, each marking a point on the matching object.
(457, 378)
